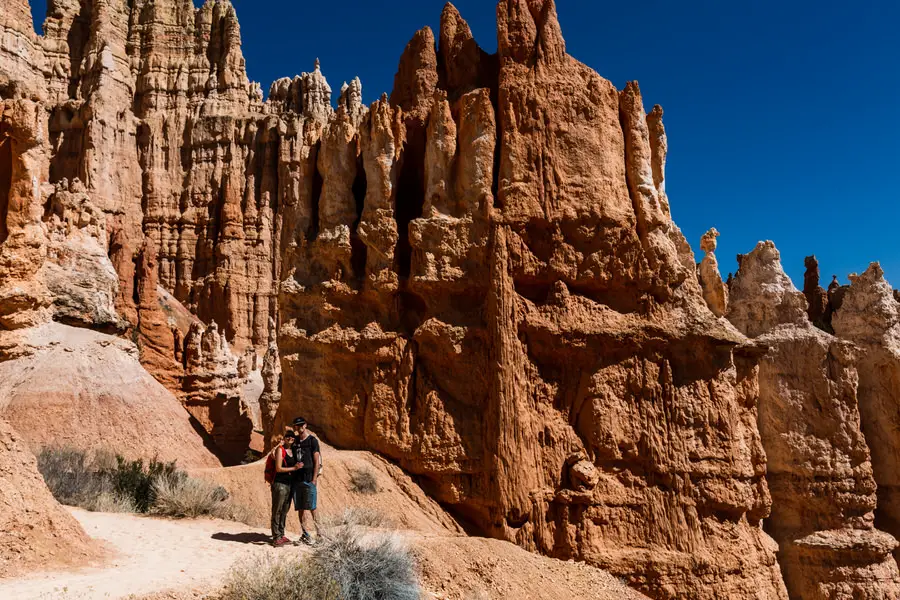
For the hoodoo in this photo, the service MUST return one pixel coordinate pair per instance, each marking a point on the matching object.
(478, 277)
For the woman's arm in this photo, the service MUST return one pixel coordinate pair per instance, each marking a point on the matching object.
(279, 463)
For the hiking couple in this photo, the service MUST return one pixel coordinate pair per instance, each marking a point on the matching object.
(293, 469)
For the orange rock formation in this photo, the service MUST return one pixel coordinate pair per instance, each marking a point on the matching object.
(477, 277)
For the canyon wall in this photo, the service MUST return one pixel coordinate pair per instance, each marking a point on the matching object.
(477, 276)
(495, 296)
(820, 470)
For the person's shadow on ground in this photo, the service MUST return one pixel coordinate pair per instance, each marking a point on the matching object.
(249, 537)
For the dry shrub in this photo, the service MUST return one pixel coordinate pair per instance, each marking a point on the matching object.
(110, 502)
(180, 496)
(347, 566)
(356, 516)
(363, 481)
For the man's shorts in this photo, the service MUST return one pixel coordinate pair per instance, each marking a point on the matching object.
(305, 496)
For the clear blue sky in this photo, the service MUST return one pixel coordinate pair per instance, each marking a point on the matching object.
(781, 115)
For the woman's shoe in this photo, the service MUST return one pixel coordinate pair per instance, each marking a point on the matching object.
(281, 542)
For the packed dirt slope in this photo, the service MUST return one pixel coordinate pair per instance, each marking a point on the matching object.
(35, 531)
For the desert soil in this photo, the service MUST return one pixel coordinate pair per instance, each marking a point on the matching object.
(149, 556)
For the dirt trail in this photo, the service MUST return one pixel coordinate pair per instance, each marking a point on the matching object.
(149, 555)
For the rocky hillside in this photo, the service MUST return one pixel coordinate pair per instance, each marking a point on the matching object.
(477, 277)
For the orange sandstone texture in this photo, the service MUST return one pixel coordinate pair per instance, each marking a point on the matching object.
(820, 470)
(512, 316)
(36, 533)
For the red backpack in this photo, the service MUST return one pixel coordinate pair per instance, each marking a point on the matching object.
(270, 465)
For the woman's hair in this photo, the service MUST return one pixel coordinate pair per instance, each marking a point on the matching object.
(289, 433)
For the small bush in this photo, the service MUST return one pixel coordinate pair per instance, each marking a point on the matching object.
(356, 516)
(104, 482)
(70, 475)
(110, 502)
(176, 495)
(363, 481)
(348, 566)
(131, 479)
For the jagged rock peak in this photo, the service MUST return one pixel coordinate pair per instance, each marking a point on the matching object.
(417, 76)
(529, 32)
(762, 295)
(869, 309)
(714, 291)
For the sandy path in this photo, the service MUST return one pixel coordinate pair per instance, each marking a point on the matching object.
(147, 555)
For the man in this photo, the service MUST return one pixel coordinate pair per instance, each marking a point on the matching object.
(306, 451)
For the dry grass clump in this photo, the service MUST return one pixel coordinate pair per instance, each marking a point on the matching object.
(177, 495)
(356, 516)
(363, 481)
(104, 482)
(347, 566)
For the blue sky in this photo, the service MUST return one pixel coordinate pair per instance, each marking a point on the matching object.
(780, 115)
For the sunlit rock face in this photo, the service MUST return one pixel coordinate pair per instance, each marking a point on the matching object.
(477, 276)
(820, 469)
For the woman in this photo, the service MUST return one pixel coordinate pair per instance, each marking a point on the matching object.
(285, 464)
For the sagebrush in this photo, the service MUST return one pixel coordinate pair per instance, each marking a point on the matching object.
(349, 565)
(363, 480)
(104, 482)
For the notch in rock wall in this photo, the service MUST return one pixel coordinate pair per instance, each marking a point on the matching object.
(410, 199)
(358, 250)
(317, 181)
(5, 181)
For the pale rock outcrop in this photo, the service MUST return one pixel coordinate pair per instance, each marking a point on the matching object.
(22, 59)
(213, 391)
(819, 469)
(714, 291)
(768, 295)
(869, 317)
(77, 271)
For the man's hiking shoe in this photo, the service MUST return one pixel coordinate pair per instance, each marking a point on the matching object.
(282, 541)
(306, 539)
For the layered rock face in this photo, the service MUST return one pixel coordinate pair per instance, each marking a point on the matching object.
(819, 467)
(492, 293)
(869, 316)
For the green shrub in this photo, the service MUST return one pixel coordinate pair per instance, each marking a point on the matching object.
(131, 479)
(104, 482)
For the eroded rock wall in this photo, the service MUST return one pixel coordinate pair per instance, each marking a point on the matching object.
(510, 313)
(820, 471)
(869, 316)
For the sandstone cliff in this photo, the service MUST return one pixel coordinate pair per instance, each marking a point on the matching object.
(819, 466)
(477, 277)
(495, 261)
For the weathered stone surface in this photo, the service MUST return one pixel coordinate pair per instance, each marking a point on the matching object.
(870, 318)
(819, 469)
(213, 391)
(714, 291)
(522, 335)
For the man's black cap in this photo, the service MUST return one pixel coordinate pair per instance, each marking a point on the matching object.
(299, 421)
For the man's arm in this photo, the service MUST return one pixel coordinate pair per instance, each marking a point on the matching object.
(317, 462)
